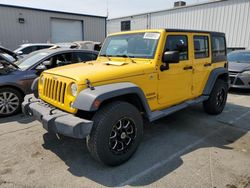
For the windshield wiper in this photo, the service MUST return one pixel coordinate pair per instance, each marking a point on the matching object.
(127, 56)
(105, 55)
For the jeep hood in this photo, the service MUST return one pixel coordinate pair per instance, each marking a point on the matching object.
(97, 71)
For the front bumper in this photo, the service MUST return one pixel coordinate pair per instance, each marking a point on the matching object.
(239, 81)
(55, 120)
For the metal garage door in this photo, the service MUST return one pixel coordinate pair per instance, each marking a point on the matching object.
(65, 30)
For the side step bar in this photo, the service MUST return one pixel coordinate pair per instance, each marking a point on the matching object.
(159, 114)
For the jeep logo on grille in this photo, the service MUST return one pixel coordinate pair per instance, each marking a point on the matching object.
(55, 78)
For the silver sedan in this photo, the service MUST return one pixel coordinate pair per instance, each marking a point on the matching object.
(239, 69)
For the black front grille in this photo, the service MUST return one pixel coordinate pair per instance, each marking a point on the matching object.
(231, 78)
(239, 82)
(233, 73)
(54, 90)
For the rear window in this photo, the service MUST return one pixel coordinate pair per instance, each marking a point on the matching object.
(218, 48)
(201, 47)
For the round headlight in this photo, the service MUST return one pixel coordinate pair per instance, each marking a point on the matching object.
(42, 80)
(74, 89)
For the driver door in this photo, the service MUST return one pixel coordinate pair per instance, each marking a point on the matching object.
(175, 83)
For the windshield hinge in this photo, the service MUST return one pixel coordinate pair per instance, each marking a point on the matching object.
(89, 85)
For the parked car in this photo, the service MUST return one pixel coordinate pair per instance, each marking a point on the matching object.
(89, 45)
(138, 74)
(26, 49)
(8, 55)
(239, 69)
(16, 78)
(84, 45)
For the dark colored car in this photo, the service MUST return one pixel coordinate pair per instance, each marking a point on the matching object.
(239, 69)
(16, 78)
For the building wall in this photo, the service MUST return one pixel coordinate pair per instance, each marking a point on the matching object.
(229, 16)
(37, 26)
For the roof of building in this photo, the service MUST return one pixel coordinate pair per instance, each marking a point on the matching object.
(170, 9)
(52, 11)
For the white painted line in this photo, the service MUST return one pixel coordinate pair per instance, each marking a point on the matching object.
(240, 117)
(164, 162)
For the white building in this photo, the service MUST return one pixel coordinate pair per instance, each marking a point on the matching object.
(229, 16)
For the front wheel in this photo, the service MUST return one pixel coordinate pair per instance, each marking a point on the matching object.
(217, 99)
(116, 133)
(10, 101)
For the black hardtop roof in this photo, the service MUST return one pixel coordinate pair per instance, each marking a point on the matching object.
(194, 31)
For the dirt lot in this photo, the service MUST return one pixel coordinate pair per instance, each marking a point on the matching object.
(186, 149)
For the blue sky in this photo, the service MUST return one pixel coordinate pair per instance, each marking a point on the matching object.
(117, 8)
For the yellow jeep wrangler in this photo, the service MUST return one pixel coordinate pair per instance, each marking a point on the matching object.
(138, 74)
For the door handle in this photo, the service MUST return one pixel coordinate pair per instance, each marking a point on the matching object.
(188, 68)
(207, 64)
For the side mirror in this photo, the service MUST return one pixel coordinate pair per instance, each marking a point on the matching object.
(19, 53)
(41, 68)
(169, 57)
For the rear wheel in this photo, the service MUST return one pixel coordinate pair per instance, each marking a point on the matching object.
(116, 133)
(10, 101)
(217, 99)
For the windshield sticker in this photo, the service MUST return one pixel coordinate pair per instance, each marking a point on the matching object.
(152, 36)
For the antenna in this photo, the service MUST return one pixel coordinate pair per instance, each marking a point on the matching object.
(107, 5)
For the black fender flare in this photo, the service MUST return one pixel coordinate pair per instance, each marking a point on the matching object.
(86, 98)
(212, 79)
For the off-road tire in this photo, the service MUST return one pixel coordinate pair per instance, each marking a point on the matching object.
(15, 95)
(217, 99)
(105, 122)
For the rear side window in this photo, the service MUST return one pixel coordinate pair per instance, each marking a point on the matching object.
(43, 47)
(218, 48)
(178, 43)
(201, 47)
(29, 49)
(80, 57)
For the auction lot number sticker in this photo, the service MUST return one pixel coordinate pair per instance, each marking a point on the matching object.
(152, 36)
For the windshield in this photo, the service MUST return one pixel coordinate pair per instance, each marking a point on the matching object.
(31, 59)
(239, 57)
(139, 45)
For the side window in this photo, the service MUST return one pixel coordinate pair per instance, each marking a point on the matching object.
(178, 43)
(80, 57)
(201, 49)
(218, 48)
(62, 59)
(43, 47)
(29, 49)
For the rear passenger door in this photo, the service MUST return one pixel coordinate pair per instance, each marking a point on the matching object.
(201, 62)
